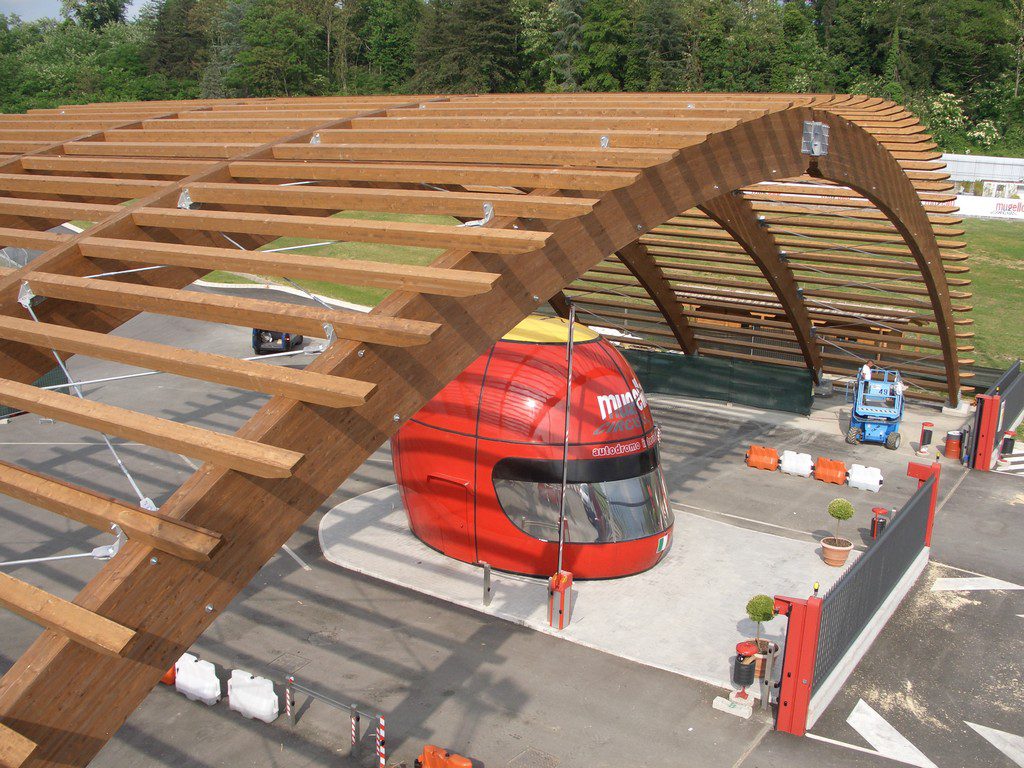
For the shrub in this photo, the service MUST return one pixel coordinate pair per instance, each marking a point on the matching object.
(760, 608)
(841, 510)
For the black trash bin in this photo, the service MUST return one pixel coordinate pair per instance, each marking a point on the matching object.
(745, 664)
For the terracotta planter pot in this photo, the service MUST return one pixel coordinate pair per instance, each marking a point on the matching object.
(834, 551)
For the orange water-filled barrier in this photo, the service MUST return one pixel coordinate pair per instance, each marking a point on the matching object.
(762, 457)
(829, 471)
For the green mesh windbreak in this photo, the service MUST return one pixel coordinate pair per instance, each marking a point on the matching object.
(777, 387)
(54, 376)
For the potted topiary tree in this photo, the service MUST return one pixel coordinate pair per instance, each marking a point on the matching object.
(835, 549)
(760, 610)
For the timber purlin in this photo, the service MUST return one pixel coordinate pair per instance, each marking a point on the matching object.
(691, 220)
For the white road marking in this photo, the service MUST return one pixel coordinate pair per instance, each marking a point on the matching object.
(1009, 744)
(971, 584)
(886, 740)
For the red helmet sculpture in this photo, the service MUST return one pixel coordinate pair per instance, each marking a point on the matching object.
(480, 466)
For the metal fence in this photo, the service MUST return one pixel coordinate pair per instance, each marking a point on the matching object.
(1010, 388)
(853, 600)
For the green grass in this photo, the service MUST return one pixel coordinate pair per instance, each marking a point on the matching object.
(996, 250)
(388, 254)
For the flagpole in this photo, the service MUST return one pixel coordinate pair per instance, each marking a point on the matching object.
(565, 442)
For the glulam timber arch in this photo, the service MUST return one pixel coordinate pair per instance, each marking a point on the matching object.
(552, 186)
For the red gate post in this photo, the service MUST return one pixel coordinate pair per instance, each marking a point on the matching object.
(988, 428)
(921, 472)
(798, 661)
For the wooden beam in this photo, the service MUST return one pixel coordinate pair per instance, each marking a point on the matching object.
(734, 214)
(56, 209)
(468, 153)
(429, 280)
(649, 275)
(157, 149)
(15, 749)
(583, 179)
(78, 624)
(175, 537)
(78, 185)
(482, 239)
(113, 165)
(332, 391)
(391, 200)
(223, 450)
(234, 310)
(26, 238)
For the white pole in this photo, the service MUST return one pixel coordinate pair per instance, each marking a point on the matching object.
(565, 443)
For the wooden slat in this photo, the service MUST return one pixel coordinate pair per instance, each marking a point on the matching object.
(52, 612)
(15, 749)
(157, 149)
(175, 537)
(391, 200)
(582, 179)
(114, 165)
(482, 239)
(332, 391)
(465, 153)
(56, 209)
(77, 185)
(235, 310)
(26, 238)
(223, 450)
(430, 280)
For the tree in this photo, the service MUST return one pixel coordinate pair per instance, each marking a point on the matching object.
(278, 54)
(179, 45)
(760, 609)
(94, 14)
(657, 55)
(840, 509)
(469, 46)
(387, 33)
(566, 24)
(606, 38)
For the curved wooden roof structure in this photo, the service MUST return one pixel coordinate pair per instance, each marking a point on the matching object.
(699, 222)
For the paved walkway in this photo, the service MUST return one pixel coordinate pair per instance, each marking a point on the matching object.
(683, 616)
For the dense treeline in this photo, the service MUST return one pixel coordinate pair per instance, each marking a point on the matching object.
(956, 62)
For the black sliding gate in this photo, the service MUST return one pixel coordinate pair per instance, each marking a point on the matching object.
(853, 601)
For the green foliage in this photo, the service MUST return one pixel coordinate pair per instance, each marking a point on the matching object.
(840, 509)
(760, 608)
(468, 46)
(958, 63)
(279, 52)
(94, 14)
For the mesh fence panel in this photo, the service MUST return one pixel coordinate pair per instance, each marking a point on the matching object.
(760, 385)
(853, 600)
(1010, 389)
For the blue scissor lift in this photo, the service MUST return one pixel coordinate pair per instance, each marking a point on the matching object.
(877, 410)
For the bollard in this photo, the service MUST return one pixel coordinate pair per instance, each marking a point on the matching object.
(382, 750)
(289, 703)
(488, 592)
(354, 717)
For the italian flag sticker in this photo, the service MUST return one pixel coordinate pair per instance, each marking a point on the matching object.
(663, 543)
